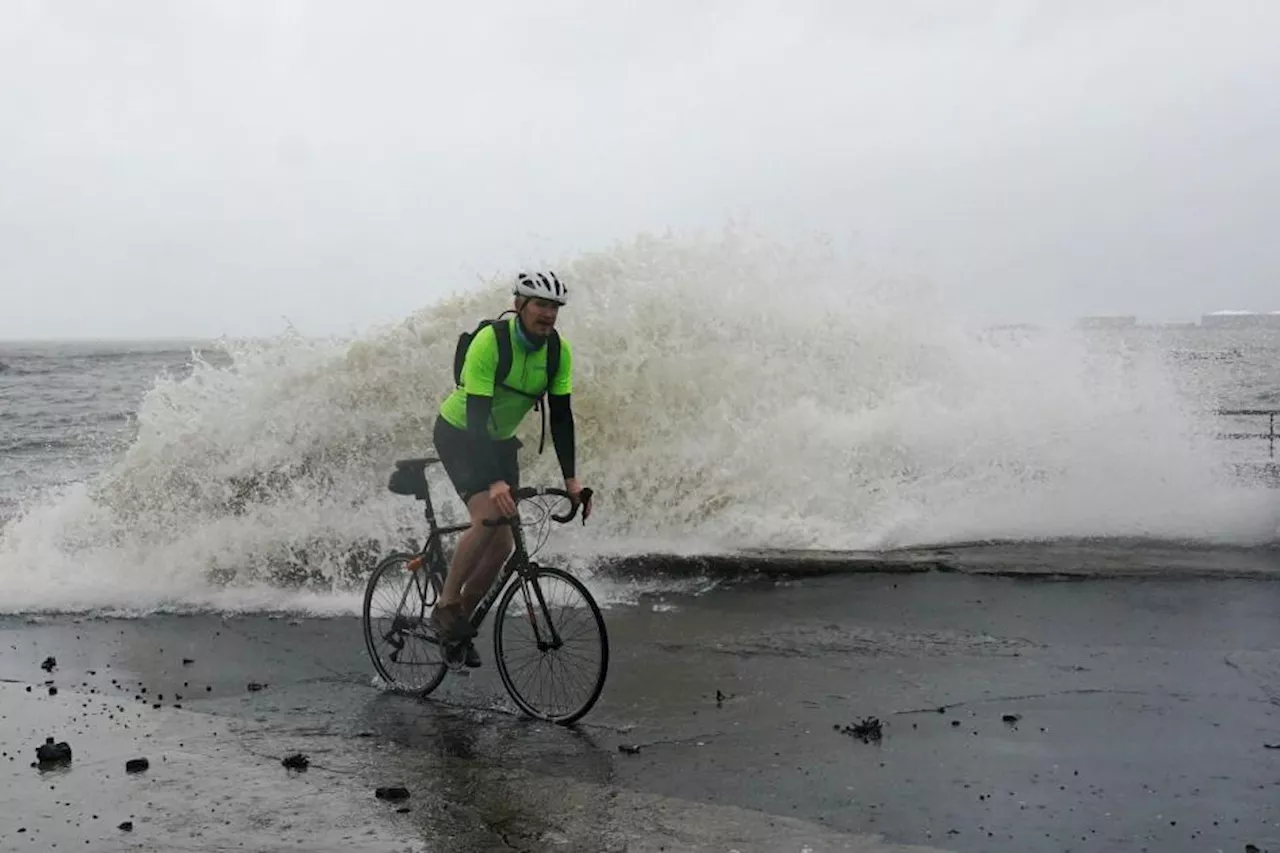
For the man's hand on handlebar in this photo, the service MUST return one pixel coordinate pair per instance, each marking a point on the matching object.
(500, 494)
(581, 499)
(579, 496)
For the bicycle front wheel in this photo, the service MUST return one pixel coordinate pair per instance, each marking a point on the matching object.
(401, 642)
(550, 645)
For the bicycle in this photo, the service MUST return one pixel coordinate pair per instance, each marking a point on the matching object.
(416, 580)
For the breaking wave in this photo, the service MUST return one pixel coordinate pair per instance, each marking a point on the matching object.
(729, 392)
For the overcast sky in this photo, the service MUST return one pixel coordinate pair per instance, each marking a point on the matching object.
(198, 168)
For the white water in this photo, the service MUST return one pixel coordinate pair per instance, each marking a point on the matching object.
(729, 393)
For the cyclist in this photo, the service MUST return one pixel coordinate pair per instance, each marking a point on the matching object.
(475, 440)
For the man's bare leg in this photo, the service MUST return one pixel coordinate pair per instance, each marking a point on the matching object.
(486, 571)
(472, 548)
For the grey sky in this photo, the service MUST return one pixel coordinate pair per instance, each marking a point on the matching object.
(199, 168)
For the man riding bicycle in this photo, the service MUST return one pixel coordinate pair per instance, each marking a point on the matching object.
(475, 439)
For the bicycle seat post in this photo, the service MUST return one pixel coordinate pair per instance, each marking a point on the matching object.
(429, 510)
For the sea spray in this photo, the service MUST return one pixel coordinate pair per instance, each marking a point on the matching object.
(729, 392)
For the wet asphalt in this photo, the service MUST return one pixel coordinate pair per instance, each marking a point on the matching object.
(1015, 714)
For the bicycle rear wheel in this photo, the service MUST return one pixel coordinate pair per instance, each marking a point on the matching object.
(403, 646)
(550, 645)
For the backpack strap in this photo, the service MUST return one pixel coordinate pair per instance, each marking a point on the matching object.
(553, 358)
(502, 333)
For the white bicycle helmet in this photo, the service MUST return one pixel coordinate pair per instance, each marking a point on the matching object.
(541, 285)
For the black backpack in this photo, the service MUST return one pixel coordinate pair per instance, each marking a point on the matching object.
(502, 332)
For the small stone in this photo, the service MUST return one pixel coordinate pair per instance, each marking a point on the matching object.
(866, 730)
(187, 661)
(127, 826)
(629, 749)
(50, 754)
(403, 810)
(393, 794)
(297, 761)
(48, 664)
(136, 765)
(1011, 718)
(254, 686)
(53, 691)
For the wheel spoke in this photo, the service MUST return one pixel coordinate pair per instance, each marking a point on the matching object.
(398, 604)
(559, 683)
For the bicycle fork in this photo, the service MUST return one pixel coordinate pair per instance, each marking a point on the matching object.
(552, 639)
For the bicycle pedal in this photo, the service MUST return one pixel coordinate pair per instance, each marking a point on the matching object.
(455, 657)
(458, 667)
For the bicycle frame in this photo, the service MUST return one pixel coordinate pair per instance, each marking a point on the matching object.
(412, 655)
(517, 563)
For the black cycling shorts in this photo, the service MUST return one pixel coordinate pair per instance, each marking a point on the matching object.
(457, 453)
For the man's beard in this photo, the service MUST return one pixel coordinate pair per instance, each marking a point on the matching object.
(537, 339)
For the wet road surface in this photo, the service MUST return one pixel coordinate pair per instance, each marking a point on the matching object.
(1144, 710)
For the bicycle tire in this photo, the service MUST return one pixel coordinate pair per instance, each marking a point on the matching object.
(434, 673)
(564, 716)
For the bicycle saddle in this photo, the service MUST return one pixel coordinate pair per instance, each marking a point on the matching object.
(419, 464)
(410, 477)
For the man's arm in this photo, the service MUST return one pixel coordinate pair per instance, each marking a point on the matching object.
(484, 450)
(479, 378)
(561, 433)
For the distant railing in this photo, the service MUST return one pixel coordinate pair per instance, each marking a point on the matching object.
(1270, 435)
